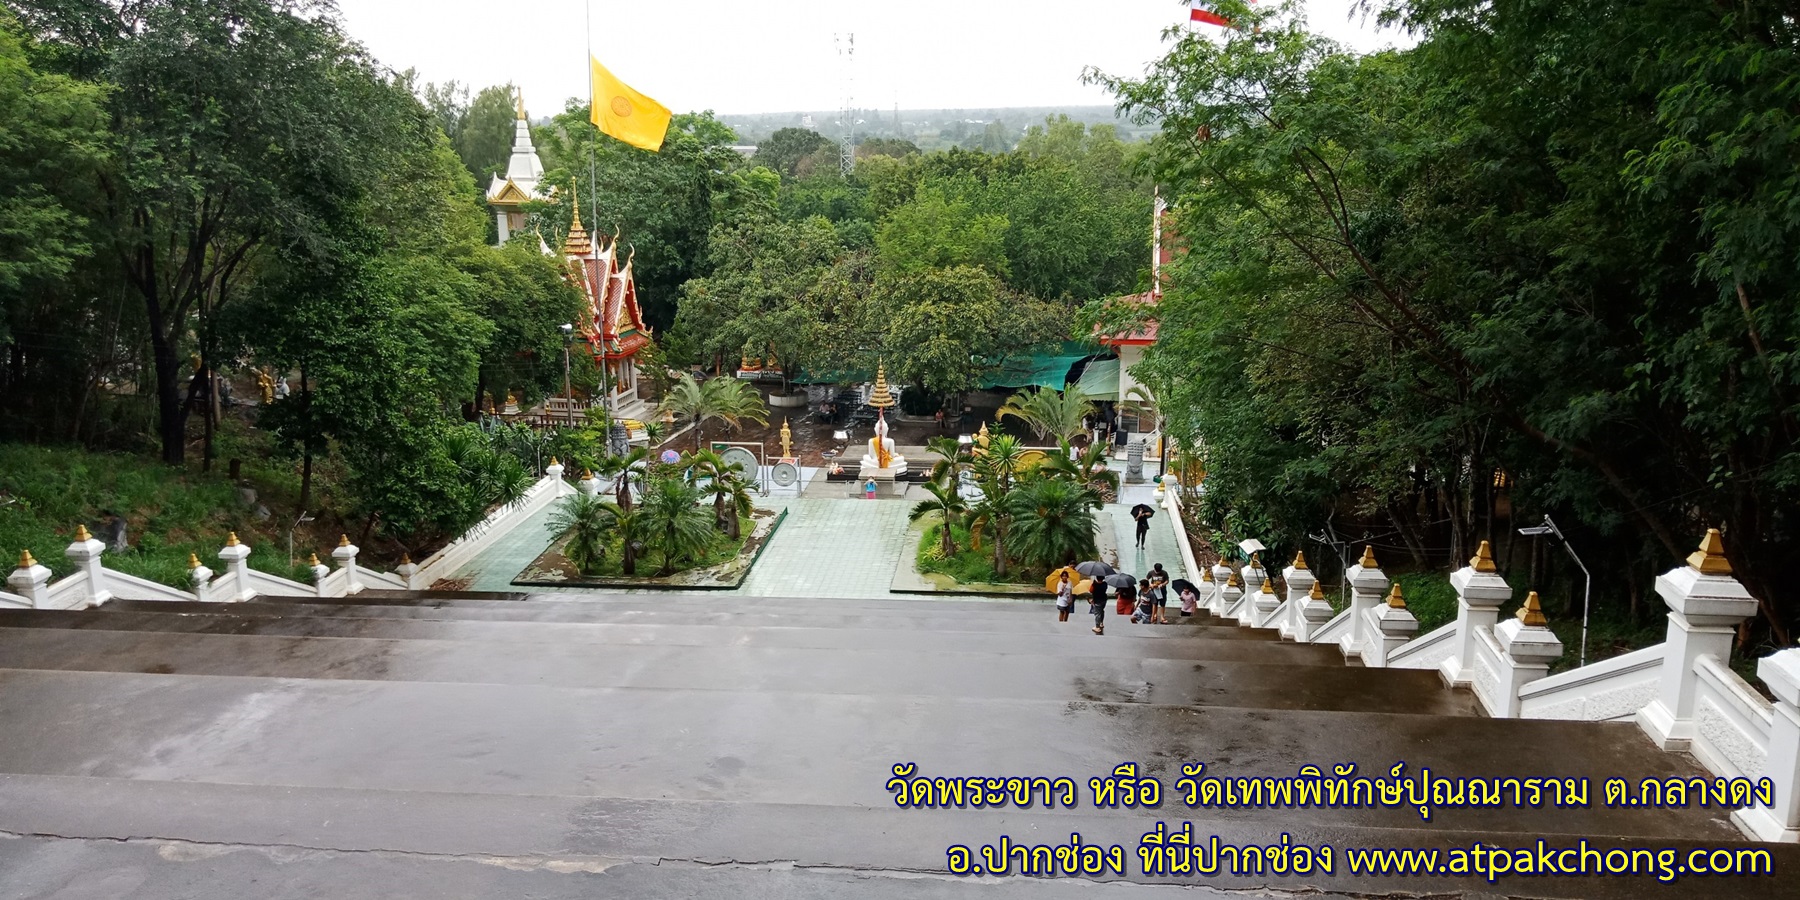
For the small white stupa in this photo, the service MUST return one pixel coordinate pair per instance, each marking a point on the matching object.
(508, 196)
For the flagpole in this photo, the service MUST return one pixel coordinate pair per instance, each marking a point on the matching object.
(606, 399)
(593, 176)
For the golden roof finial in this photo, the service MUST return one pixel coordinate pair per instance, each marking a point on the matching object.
(1483, 561)
(1206, 575)
(1268, 586)
(405, 558)
(587, 474)
(343, 540)
(554, 462)
(1256, 560)
(1300, 560)
(193, 560)
(25, 560)
(1234, 580)
(1318, 592)
(519, 95)
(231, 539)
(313, 560)
(81, 534)
(1395, 599)
(881, 397)
(1532, 614)
(1710, 558)
(576, 243)
(1368, 557)
(575, 202)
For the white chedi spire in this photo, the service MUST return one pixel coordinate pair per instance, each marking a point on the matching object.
(524, 169)
(508, 194)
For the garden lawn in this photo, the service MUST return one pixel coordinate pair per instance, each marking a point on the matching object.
(967, 566)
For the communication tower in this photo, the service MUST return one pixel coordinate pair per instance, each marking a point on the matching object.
(846, 49)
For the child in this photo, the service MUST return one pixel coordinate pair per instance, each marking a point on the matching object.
(1065, 594)
(1146, 604)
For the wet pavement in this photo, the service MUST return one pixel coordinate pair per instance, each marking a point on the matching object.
(671, 746)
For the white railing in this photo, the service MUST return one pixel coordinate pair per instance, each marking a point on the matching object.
(1427, 651)
(497, 525)
(1609, 690)
(1732, 722)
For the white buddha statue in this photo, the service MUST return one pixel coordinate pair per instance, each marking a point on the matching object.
(882, 461)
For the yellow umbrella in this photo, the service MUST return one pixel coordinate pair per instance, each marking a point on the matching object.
(1056, 576)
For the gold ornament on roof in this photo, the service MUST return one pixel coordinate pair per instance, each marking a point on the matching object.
(1234, 580)
(193, 561)
(576, 243)
(313, 560)
(25, 560)
(1483, 561)
(1394, 597)
(1318, 592)
(1268, 586)
(1300, 560)
(343, 540)
(881, 397)
(520, 97)
(1206, 575)
(1710, 558)
(554, 462)
(81, 534)
(231, 539)
(1532, 613)
(1368, 557)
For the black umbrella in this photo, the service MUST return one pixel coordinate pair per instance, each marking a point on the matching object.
(1182, 584)
(1121, 580)
(1094, 568)
(1144, 510)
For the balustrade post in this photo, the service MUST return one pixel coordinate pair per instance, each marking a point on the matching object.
(1479, 593)
(236, 556)
(1705, 605)
(1254, 578)
(1300, 582)
(1527, 648)
(588, 484)
(407, 570)
(345, 554)
(1315, 613)
(1223, 575)
(1367, 585)
(200, 577)
(320, 572)
(30, 580)
(1231, 594)
(86, 552)
(1209, 590)
(1263, 604)
(1781, 822)
(1391, 625)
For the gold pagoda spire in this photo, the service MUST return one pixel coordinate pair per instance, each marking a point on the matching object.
(519, 96)
(881, 397)
(577, 244)
(1710, 558)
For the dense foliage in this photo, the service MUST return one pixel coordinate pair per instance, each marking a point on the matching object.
(1541, 262)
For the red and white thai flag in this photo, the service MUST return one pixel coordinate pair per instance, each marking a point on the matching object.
(1203, 11)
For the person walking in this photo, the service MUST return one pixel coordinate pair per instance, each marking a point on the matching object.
(1159, 595)
(1142, 513)
(1146, 603)
(1097, 605)
(1065, 597)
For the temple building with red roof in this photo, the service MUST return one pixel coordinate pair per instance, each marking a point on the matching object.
(1130, 345)
(613, 325)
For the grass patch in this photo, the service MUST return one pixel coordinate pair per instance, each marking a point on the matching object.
(1430, 598)
(967, 566)
(169, 513)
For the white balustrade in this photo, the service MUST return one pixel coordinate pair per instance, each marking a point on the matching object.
(1706, 605)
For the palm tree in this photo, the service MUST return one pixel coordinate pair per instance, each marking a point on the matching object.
(726, 399)
(590, 522)
(999, 462)
(674, 524)
(620, 469)
(948, 504)
(1053, 523)
(725, 482)
(993, 513)
(953, 457)
(1087, 469)
(1059, 414)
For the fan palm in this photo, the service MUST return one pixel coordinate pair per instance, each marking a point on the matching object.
(1053, 523)
(953, 457)
(621, 469)
(725, 482)
(948, 504)
(674, 524)
(721, 399)
(1059, 414)
(1087, 469)
(590, 522)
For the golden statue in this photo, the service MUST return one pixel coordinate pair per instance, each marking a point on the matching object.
(267, 384)
(787, 440)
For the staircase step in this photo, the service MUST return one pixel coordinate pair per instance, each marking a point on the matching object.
(775, 748)
(872, 668)
(815, 614)
(1073, 640)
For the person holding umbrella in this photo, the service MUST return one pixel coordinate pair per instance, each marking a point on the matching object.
(1189, 594)
(1098, 572)
(1159, 595)
(1127, 588)
(1143, 514)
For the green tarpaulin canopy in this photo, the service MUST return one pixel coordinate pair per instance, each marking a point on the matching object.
(1101, 380)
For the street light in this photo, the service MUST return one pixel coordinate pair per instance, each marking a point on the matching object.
(304, 518)
(568, 332)
(1549, 527)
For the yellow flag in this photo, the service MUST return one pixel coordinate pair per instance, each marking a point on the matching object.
(626, 114)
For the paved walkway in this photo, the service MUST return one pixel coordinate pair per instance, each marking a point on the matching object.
(827, 548)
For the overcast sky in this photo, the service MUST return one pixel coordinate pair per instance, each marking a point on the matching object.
(745, 56)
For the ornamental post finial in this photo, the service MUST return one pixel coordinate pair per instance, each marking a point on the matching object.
(343, 540)
(1234, 580)
(313, 560)
(1532, 613)
(1368, 557)
(25, 560)
(231, 539)
(1300, 560)
(1318, 593)
(81, 534)
(1206, 575)
(1483, 561)
(1268, 586)
(1710, 558)
(193, 561)
(519, 96)
(1394, 597)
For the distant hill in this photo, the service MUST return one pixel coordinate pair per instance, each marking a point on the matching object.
(975, 128)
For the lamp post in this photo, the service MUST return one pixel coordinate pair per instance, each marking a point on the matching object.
(568, 332)
(304, 518)
(1549, 527)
